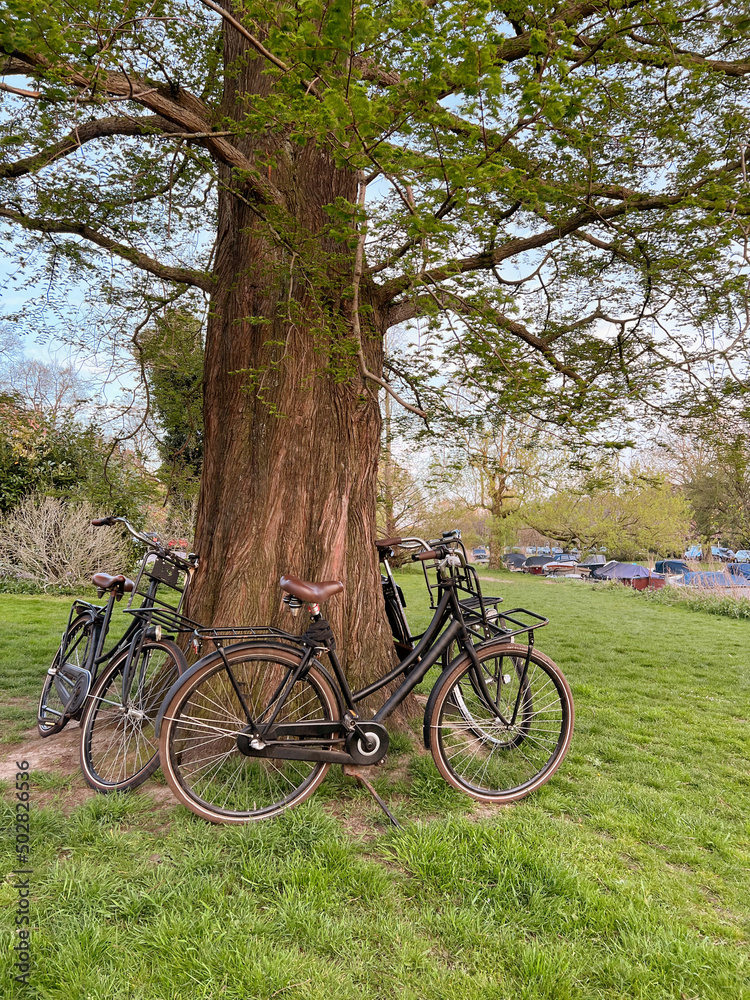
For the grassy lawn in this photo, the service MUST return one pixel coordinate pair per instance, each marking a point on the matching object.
(625, 876)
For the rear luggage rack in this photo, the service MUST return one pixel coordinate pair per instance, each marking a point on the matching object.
(242, 633)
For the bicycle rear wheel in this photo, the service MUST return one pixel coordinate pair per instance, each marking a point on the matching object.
(502, 747)
(58, 688)
(119, 749)
(198, 738)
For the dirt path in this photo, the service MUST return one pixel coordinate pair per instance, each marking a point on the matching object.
(54, 755)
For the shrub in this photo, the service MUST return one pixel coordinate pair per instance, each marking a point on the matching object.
(51, 543)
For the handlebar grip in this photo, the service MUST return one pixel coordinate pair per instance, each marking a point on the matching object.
(422, 556)
(99, 521)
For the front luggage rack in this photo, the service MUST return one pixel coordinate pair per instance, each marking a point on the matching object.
(169, 619)
(501, 630)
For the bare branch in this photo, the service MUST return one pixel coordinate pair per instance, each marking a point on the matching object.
(449, 300)
(99, 129)
(136, 257)
(258, 45)
(512, 248)
(19, 91)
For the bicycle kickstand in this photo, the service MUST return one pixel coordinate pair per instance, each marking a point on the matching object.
(355, 772)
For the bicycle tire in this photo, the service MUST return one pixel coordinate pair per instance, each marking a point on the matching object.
(51, 716)
(119, 749)
(480, 755)
(223, 785)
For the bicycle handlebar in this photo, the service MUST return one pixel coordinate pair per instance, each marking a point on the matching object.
(422, 556)
(150, 540)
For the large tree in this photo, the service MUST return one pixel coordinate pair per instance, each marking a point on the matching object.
(559, 187)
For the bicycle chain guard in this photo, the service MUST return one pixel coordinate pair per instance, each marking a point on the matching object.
(80, 678)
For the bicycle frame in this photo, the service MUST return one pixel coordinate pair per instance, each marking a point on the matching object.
(101, 615)
(448, 625)
(416, 665)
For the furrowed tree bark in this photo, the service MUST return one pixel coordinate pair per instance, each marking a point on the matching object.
(291, 448)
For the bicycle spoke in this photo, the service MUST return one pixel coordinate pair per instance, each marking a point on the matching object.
(204, 727)
(481, 754)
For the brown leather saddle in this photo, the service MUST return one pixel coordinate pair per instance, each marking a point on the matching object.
(311, 593)
(119, 584)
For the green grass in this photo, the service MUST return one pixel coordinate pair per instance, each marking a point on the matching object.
(625, 876)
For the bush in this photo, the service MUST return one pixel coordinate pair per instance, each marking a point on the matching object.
(51, 543)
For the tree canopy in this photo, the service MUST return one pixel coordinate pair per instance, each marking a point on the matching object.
(561, 187)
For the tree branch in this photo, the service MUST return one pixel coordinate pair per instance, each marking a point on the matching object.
(512, 248)
(184, 110)
(141, 260)
(99, 129)
(446, 299)
(19, 91)
(663, 57)
(357, 280)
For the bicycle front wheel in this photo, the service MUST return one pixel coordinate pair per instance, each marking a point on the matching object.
(198, 739)
(119, 749)
(59, 688)
(500, 740)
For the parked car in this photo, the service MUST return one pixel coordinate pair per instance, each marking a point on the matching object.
(742, 555)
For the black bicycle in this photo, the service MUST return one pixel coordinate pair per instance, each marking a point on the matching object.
(252, 728)
(115, 693)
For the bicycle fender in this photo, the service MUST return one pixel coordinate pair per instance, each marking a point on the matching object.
(431, 700)
(215, 655)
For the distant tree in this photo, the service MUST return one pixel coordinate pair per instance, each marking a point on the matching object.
(171, 354)
(64, 458)
(629, 515)
(718, 487)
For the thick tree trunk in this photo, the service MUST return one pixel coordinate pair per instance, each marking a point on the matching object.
(292, 432)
